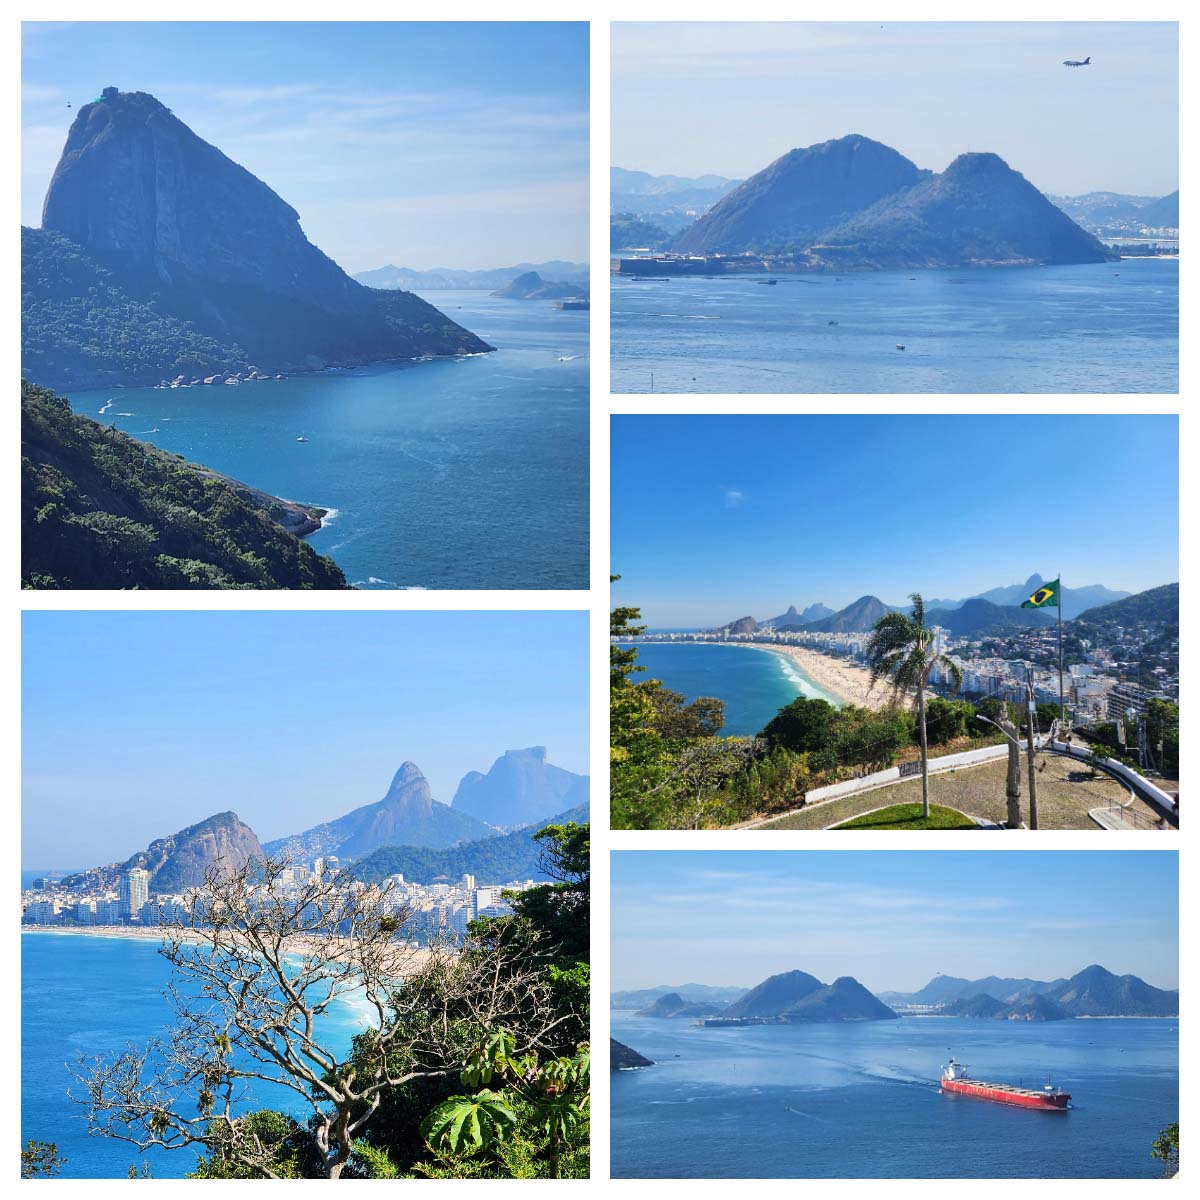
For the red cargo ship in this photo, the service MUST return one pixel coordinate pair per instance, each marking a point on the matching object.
(955, 1079)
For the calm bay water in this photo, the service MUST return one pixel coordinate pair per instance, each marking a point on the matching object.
(862, 1100)
(94, 995)
(1111, 327)
(460, 473)
(755, 684)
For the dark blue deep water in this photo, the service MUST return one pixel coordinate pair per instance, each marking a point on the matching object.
(95, 995)
(862, 1100)
(1110, 327)
(463, 473)
(755, 684)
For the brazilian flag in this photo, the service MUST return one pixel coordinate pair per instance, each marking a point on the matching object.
(1046, 594)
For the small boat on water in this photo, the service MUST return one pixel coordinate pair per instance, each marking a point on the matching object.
(302, 439)
(899, 345)
(767, 282)
(956, 1080)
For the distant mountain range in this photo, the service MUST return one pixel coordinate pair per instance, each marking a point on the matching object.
(670, 201)
(446, 279)
(159, 257)
(794, 619)
(1093, 992)
(796, 997)
(1110, 213)
(407, 832)
(693, 992)
(520, 788)
(997, 610)
(1074, 599)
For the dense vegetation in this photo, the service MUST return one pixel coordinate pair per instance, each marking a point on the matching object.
(1159, 604)
(670, 769)
(523, 1118)
(102, 510)
(81, 327)
(516, 855)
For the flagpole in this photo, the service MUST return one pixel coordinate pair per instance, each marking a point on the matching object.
(1062, 708)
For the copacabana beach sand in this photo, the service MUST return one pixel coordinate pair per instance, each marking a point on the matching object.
(850, 684)
(298, 946)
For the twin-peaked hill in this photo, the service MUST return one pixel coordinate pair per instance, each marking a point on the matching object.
(797, 997)
(160, 256)
(853, 203)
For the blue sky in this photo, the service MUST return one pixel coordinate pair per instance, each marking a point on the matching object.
(729, 98)
(721, 517)
(891, 918)
(420, 144)
(136, 724)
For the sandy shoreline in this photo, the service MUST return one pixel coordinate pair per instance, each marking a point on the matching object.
(849, 683)
(298, 946)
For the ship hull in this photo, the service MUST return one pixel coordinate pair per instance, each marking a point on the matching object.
(998, 1093)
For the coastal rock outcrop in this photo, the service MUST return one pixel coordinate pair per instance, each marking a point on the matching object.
(625, 1058)
(162, 218)
(182, 860)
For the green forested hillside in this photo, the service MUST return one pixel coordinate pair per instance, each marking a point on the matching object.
(102, 510)
(494, 860)
(1155, 604)
(81, 327)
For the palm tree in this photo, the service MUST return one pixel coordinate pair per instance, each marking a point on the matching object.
(900, 650)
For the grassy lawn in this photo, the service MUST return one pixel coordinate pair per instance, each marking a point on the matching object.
(908, 816)
(1066, 791)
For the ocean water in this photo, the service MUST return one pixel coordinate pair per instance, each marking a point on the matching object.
(755, 684)
(95, 995)
(862, 1100)
(1111, 327)
(456, 473)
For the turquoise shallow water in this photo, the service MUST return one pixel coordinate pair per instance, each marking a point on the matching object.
(1111, 327)
(93, 995)
(464, 473)
(755, 684)
(862, 1100)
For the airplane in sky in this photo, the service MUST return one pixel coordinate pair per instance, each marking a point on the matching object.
(1070, 62)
